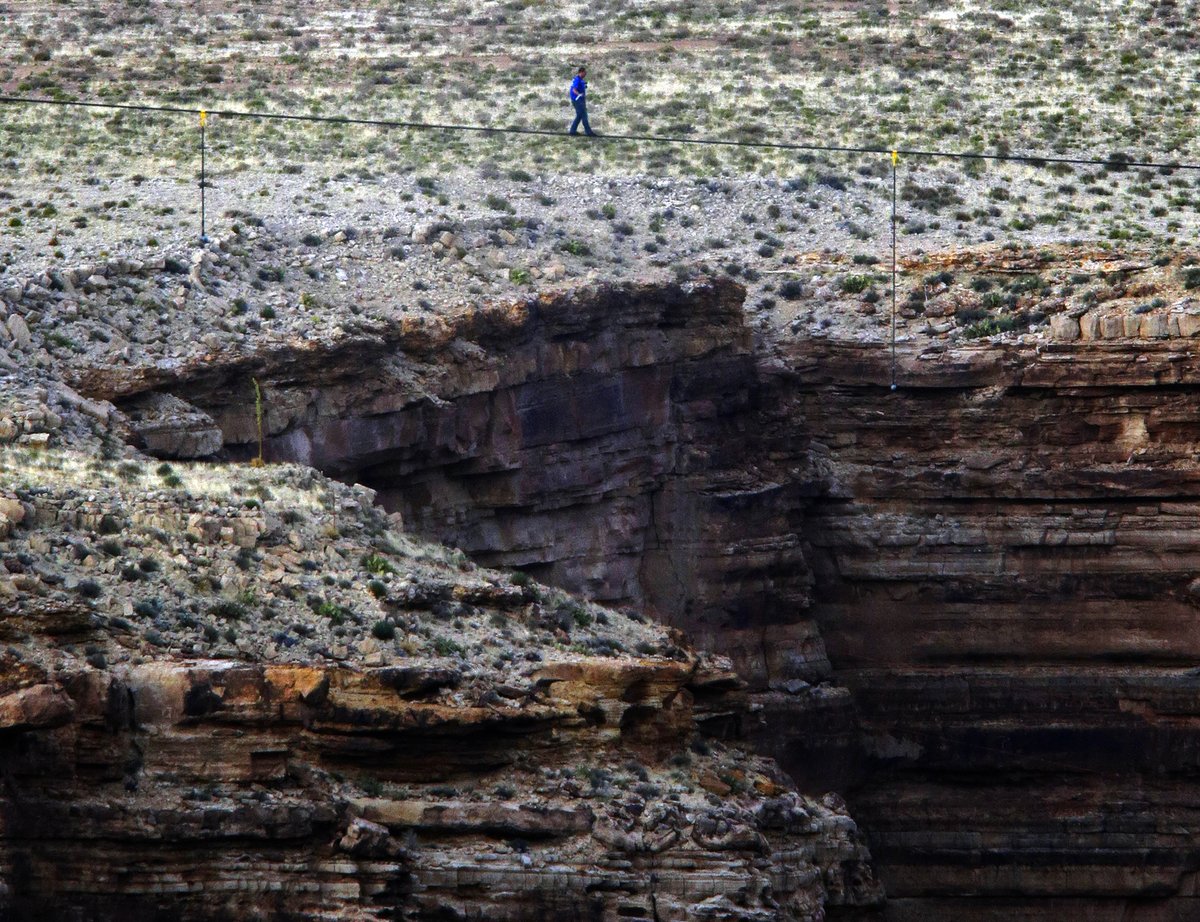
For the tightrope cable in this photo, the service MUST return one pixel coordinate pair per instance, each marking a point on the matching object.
(1114, 161)
(1118, 162)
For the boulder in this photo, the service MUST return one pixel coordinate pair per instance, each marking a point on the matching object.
(365, 839)
(1089, 326)
(18, 331)
(1112, 326)
(1063, 328)
(172, 428)
(39, 707)
(1154, 326)
(1189, 324)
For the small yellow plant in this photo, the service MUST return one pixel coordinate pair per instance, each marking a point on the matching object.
(258, 418)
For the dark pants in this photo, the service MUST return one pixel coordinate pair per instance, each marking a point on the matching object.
(580, 116)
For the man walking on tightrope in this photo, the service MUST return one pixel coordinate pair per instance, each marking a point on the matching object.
(579, 101)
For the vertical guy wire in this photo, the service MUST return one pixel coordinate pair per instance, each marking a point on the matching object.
(203, 121)
(895, 158)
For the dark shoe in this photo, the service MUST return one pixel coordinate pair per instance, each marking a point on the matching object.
(572, 133)
(592, 134)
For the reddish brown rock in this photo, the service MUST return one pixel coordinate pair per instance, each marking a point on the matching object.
(966, 603)
(39, 707)
(269, 787)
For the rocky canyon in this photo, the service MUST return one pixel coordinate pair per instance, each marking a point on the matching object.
(965, 604)
(947, 627)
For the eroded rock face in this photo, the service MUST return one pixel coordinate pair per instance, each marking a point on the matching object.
(167, 427)
(225, 790)
(967, 604)
(1003, 571)
(240, 692)
(605, 440)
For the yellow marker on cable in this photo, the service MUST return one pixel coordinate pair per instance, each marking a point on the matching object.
(203, 118)
(895, 157)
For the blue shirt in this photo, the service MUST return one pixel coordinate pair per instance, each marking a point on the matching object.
(578, 88)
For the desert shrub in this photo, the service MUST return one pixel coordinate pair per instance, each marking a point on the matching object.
(383, 630)
(110, 525)
(374, 563)
(148, 608)
(992, 326)
(336, 614)
(791, 290)
(227, 610)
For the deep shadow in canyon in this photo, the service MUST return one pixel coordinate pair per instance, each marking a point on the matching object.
(969, 605)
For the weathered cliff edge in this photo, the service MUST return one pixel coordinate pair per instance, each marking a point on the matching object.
(968, 604)
(1005, 572)
(214, 707)
(236, 692)
(218, 790)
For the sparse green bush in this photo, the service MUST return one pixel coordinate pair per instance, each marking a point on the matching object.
(228, 610)
(991, 327)
(372, 787)
(856, 284)
(791, 290)
(444, 646)
(383, 630)
(331, 610)
(374, 563)
(148, 608)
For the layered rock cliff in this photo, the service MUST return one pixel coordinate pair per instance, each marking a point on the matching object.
(967, 603)
(240, 693)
